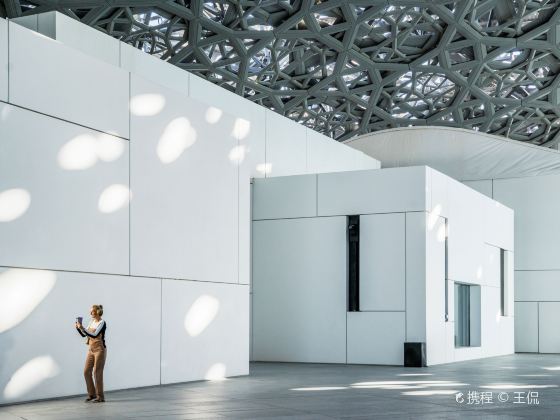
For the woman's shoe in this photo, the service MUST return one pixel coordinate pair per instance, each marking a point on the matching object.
(98, 400)
(88, 399)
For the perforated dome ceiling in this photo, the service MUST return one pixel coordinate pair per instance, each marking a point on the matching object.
(346, 68)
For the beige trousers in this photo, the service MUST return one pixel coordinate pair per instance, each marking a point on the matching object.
(95, 362)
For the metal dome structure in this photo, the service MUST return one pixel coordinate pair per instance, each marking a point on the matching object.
(346, 68)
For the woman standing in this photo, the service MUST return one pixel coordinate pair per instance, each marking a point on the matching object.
(97, 353)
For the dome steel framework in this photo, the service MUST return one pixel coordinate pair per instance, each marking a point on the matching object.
(345, 67)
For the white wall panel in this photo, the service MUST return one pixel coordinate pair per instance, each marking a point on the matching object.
(491, 270)
(526, 327)
(205, 329)
(363, 192)
(483, 187)
(184, 187)
(250, 129)
(382, 257)
(43, 355)
(416, 277)
(83, 37)
(153, 69)
(436, 339)
(497, 332)
(536, 212)
(376, 338)
(3, 60)
(327, 155)
(299, 290)
(549, 334)
(63, 195)
(285, 197)
(74, 34)
(365, 162)
(286, 146)
(102, 102)
(537, 285)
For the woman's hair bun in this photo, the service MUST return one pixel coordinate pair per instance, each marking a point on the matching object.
(100, 306)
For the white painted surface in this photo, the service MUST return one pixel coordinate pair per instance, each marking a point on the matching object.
(250, 128)
(299, 290)
(74, 34)
(86, 39)
(328, 155)
(549, 334)
(3, 60)
(286, 146)
(45, 340)
(63, 226)
(382, 262)
(376, 338)
(364, 192)
(436, 339)
(538, 227)
(205, 331)
(537, 286)
(526, 327)
(102, 102)
(153, 68)
(184, 185)
(285, 197)
(416, 253)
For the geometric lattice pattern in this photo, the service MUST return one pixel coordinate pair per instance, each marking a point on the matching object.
(346, 68)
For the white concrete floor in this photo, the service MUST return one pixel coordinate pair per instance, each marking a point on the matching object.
(321, 391)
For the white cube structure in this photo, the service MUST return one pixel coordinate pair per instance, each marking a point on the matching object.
(435, 267)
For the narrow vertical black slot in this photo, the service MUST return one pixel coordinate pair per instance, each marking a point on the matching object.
(446, 276)
(353, 263)
(502, 282)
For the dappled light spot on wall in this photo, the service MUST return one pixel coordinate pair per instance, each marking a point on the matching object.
(479, 273)
(320, 388)
(201, 313)
(114, 198)
(109, 148)
(21, 291)
(241, 128)
(13, 204)
(213, 115)
(217, 372)
(433, 216)
(264, 168)
(237, 154)
(147, 105)
(83, 151)
(177, 136)
(79, 153)
(30, 375)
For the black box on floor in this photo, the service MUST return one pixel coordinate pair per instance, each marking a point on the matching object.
(415, 354)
